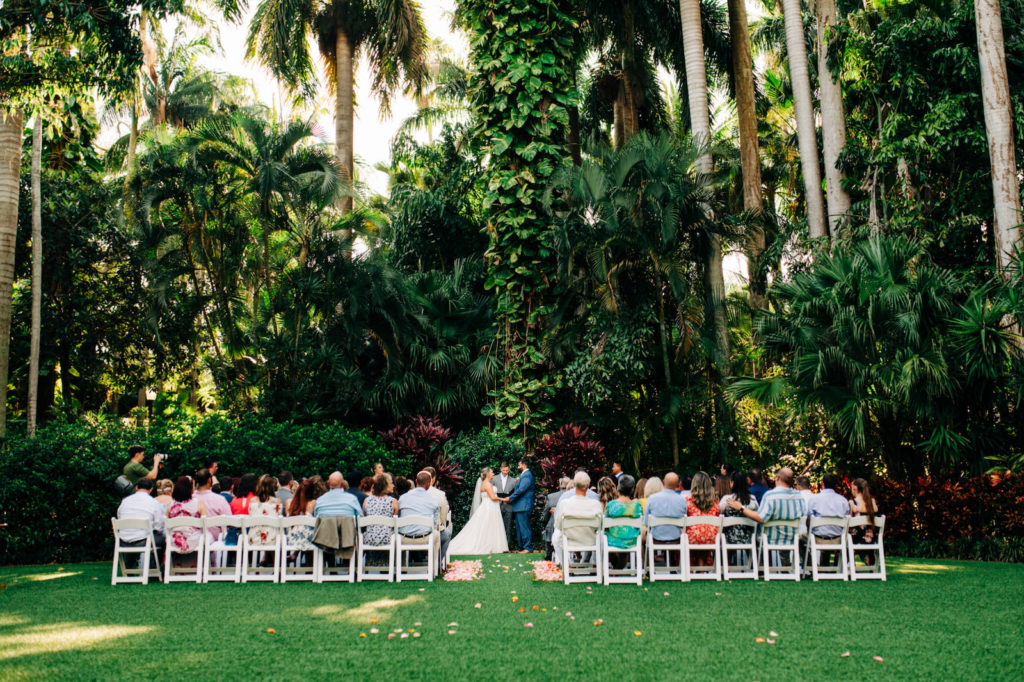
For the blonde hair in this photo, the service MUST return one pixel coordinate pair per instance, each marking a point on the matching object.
(164, 486)
(702, 492)
(484, 472)
(654, 485)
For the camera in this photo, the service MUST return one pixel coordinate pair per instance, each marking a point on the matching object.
(163, 456)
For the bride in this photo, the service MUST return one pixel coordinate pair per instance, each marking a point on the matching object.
(484, 533)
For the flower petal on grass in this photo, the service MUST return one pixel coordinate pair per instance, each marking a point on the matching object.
(759, 640)
(599, 621)
(271, 630)
(845, 654)
(527, 625)
(878, 658)
(773, 634)
(637, 633)
(362, 634)
(770, 641)
(374, 631)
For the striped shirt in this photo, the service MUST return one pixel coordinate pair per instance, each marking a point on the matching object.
(782, 504)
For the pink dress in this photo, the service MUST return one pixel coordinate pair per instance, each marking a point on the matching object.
(185, 539)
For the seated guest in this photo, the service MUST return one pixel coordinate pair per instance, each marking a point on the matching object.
(337, 501)
(757, 486)
(352, 485)
(685, 481)
(702, 502)
(547, 518)
(164, 487)
(623, 506)
(723, 486)
(402, 486)
(284, 492)
(653, 487)
(184, 503)
(379, 503)
(141, 505)
(366, 485)
(214, 503)
(227, 487)
(638, 492)
(265, 504)
(668, 503)
(782, 503)
(740, 491)
(863, 504)
(578, 504)
(245, 491)
(607, 490)
(828, 503)
(802, 484)
(302, 505)
(419, 502)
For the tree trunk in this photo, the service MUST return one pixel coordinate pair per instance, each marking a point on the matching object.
(573, 137)
(37, 275)
(344, 117)
(700, 125)
(133, 145)
(750, 156)
(833, 124)
(995, 95)
(618, 133)
(796, 49)
(10, 175)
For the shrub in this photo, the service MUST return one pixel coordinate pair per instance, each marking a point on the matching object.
(473, 452)
(421, 440)
(58, 493)
(567, 449)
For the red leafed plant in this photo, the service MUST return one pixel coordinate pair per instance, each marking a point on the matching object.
(567, 449)
(422, 440)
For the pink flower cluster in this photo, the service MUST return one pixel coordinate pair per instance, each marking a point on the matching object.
(463, 571)
(546, 570)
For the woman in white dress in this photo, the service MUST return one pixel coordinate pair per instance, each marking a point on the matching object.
(484, 533)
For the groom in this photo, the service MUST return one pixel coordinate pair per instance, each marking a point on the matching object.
(521, 500)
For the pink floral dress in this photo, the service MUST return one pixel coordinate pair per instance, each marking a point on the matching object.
(264, 535)
(185, 539)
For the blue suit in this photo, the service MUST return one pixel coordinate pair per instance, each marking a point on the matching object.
(521, 500)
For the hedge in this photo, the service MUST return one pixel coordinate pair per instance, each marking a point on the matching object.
(58, 494)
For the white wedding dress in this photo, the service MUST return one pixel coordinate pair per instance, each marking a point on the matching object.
(484, 533)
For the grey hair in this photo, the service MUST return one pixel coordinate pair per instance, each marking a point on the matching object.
(564, 483)
(581, 480)
(654, 485)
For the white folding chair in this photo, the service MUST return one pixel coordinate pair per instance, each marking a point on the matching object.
(405, 546)
(635, 571)
(581, 571)
(218, 567)
(714, 571)
(364, 571)
(183, 573)
(335, 568)
(816, 548)
(875, 571)
(678, 546)
(745, 553)
(143, 553)
(251, 550)
(298, 570)
(782, 572)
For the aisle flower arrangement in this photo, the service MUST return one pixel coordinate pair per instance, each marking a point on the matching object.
(547, 571)
(464, 571)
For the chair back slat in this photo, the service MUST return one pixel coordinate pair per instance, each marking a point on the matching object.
(730, 521)
(261, 521)
(861, 520)
(414, 521)
(130, 524)
(715, 521)
(184, 522)
(386, 521)
(656, 521)
(818, 521)
(289, 522)
(622, 521)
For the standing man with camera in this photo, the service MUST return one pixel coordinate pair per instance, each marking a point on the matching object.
(135, 469)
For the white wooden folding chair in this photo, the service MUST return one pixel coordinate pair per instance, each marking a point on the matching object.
(588, 527)
(405, 569)
(365, 571)
(745, 553)
(816, 548)
(217, 566)
(252, 549)
(143, 553)
(875, 571)
(298, 570)
(666, 572)
(634, 572)
(714, 571)
(782, 571)
(183, 573)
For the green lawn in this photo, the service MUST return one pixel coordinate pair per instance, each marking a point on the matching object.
(931, 620)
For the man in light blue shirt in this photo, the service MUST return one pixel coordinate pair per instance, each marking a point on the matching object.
(419, 502)
(782, 503)
(828, 503)
(668, 503)
(337, 501)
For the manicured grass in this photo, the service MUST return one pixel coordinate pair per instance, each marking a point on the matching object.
(931, 620)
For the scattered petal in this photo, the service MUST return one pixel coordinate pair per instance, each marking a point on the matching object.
(423, 589)
(536, 608)
(417, 623)
(666, 594)
(398, 630)
(759, 640)
(845, 654)
(543, 610)
(477, 605)
(94, 578)
(773, 634)
(374, 631)
(453, 624)
(405, 635)
(770, 641)
(391, 635)
(61, 568)
(271, 630)
(373, 620)
(718, 594)
(451, 632)
(878, 658)
(528, 625)
(637, 633)
(362, 634)
(522, 610)
(569, 614)
(415, 634)
(599, 621)
(515, 599)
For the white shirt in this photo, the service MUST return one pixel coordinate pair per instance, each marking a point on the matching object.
(504, 481)
(828, 503)
(140, 505)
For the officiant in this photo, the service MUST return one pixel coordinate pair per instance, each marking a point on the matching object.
(503, 484)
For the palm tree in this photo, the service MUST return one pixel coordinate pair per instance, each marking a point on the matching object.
(11, 132)
(833, 122)
(803, 102)
(388, 33)
(37, 273)
(995, 91)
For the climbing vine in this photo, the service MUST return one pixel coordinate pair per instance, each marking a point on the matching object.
(521, 51)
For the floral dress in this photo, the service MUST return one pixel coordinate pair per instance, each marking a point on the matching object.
(623, 537)
(264, 535)
(739, 535)
(301, 538)
(185, 539)
(378, 506)
(701, 535)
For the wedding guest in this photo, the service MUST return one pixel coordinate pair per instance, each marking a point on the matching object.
(607, 491)
(337, 501)
(214, 503)
(284, 492)
(366, 485)
(723, 486)
(141, 505)
(212, 466)
(547, 518)
(267, 504)
(757, 486)
(781, 503)
(245, 491)
(623, 506)
(702, 502)
(740, 491)
(135, 469)
(578, 505)
(302, 504)
(419, 502)
(402, 486)
(802, 484)
(227, 487)
(725, 469)
(685, 481)
(828, 503)
(379, 503)
(164, 487)
(863, 504)
(352, 485)
(185, 539)
(638, 491)
(378, 469)
(668, 503)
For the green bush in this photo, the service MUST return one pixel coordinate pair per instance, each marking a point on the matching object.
(58, 493)
(473, 452)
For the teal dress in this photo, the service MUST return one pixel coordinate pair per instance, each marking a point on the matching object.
(623, 537)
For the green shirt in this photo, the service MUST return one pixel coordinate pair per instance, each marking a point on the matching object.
(133, 471)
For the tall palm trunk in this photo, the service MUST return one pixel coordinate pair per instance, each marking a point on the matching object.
(750, 156)
(37, 275)
(995, 95)
(344, 115)
(10, 175)
(833, 124)
(796, 50)
(700, 125)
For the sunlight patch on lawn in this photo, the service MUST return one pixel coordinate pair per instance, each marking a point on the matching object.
(371, 609)
(8, 620)
(37, 577)
(927, 569)
(63, 637)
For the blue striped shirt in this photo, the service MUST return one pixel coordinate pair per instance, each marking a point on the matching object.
(782, 504)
